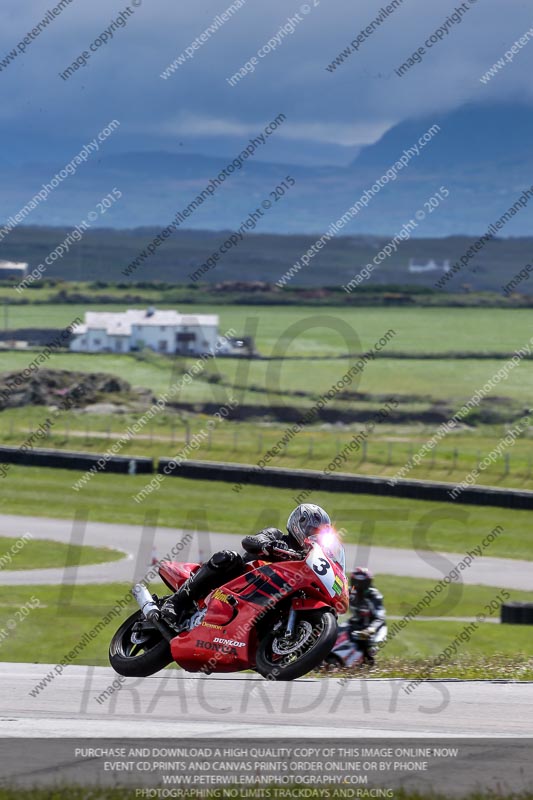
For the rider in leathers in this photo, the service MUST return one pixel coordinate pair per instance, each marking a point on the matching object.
(367, 625)
(225, 565)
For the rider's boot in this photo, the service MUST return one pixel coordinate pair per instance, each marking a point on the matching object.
(220, 568)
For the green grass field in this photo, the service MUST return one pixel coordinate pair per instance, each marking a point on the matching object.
(387, 449)
(417, 383)
(44, 553)
(421, 386)
(419, 330)
(203, 505)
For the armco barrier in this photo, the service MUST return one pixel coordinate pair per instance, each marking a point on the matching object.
(61, 459)
(342, 482)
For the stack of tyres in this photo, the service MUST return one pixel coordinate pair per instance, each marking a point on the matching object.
(517, 613)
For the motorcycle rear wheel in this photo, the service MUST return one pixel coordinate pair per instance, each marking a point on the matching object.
(138, 660)
(280, 660)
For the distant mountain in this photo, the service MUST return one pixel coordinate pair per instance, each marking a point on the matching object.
(471, 136)
(482, 155)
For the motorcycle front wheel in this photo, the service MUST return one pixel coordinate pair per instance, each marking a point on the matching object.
(137, 649)
(282, 658)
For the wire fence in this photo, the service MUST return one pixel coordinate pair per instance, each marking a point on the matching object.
(313, 449)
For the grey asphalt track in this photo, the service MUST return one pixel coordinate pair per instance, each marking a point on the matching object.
(138, 544)
(175, 703)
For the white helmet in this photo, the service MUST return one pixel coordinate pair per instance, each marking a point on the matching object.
(306, 520)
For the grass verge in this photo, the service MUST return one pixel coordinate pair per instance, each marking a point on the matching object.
(44, 553)
(472, 667)
(204, 505)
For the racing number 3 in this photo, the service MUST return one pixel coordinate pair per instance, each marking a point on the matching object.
(325, 565)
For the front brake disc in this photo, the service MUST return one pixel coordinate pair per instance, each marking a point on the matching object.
(285, 647)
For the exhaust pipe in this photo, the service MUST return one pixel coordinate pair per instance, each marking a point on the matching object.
(146, 602)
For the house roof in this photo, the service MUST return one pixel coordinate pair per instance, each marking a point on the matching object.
(121, 323)
(175, 318)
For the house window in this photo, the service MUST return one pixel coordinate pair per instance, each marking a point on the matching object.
(118, 345)
(97, 342)
(162, 327)
(162, 345)
(184, 342)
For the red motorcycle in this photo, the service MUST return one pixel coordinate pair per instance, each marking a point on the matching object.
(278, 618)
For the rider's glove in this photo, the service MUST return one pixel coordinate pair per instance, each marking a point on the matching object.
(367, 633)
(270, 547)
(255, 545)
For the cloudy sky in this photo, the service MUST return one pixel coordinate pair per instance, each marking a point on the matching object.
(329, 114)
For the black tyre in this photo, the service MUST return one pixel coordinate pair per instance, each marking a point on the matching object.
(149, 654)
(512, 613)
(281, 659)
(332, 663)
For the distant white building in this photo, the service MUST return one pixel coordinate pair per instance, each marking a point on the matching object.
(13, 269)
(429, 266)
(162, 331)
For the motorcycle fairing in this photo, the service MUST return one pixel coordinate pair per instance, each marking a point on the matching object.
(231, 646)
(174, 573)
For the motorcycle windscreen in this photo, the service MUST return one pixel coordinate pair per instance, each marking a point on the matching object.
(329, 541)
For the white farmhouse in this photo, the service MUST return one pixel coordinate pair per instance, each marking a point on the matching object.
(13, 269)
(429, 266)
(163, 331)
